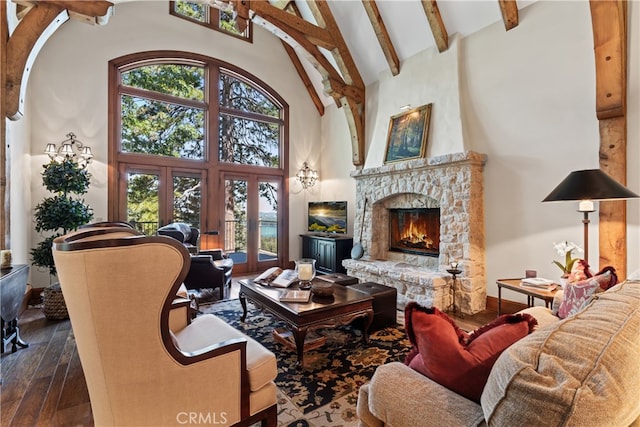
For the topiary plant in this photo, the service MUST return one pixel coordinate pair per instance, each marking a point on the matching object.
(62, 212)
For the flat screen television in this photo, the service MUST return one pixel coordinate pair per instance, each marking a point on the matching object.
(327, 217)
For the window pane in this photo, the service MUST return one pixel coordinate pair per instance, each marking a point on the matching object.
(268, 221)
(185, 81)
(235, 219)
(143, 202)
(249, 142)
(162, 128)
(186, 200)
(228, 24)
(197, 11)
(234, 93)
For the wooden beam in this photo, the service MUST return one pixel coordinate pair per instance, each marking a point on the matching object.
(91, 12)
(609, 23)
(346, 87)
(315, 34)
(350, 88)
(438, 29)
(341, 54)
(22, 48)
(509, 10)
(304, 77)
(612, 233)
(383, 35)
(608, 19)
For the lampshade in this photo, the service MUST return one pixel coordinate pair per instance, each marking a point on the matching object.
(68, 150)
(589, 184)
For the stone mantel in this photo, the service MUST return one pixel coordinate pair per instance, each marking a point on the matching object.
(467, 157)
(452, 182)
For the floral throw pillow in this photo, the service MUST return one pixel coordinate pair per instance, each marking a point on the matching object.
(576, 294)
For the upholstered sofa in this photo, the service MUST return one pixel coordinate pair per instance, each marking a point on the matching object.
(583, 370)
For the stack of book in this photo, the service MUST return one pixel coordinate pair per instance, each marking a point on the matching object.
(539, 283)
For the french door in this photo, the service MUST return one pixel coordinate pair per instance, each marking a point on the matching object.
(153, 196)
(252, 231)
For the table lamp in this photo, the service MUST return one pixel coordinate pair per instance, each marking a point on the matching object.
(587, 186)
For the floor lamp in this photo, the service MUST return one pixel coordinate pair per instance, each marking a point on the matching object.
(588, 186)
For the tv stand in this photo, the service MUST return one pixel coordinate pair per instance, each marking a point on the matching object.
(327, 250)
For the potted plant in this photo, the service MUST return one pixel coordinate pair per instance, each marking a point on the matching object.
(57, 215)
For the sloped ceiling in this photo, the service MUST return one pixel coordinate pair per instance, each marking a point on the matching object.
(337, 46)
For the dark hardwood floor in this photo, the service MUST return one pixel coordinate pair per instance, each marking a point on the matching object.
(43, 385)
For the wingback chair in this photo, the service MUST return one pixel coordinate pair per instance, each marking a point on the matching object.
(142, 365)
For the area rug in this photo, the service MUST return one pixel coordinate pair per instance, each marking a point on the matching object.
(325, 391)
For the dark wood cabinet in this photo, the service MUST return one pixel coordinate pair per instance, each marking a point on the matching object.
(327, 251)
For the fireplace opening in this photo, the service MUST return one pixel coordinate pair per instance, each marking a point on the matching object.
(415, 231)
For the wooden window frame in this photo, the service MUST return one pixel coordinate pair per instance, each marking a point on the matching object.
(213, 22)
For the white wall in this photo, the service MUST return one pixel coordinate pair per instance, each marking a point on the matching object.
(68, 92)
(526, 98)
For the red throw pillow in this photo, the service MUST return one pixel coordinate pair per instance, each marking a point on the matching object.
(451, 357)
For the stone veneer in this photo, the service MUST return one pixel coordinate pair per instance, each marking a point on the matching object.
(453, 182)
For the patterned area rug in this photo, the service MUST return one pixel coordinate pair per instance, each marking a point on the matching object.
(325, 392)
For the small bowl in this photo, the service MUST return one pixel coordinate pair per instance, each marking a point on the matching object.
(322, 289)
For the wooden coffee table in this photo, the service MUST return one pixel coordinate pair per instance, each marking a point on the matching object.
(341, 309)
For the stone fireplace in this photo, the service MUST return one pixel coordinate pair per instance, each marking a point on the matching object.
(414, 258)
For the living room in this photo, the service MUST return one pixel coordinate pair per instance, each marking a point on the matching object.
(524, 98)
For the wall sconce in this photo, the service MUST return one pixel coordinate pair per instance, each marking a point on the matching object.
(307, 176)
(67, 150)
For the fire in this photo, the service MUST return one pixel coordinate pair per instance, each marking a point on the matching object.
(416, 235)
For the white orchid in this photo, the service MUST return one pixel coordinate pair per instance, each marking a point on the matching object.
(565, 249)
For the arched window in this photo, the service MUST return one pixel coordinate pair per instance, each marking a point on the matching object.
(197, 140)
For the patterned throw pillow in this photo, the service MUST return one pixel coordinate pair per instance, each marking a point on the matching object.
(576, 294)
(451, 357)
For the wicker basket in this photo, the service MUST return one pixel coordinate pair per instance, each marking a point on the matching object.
(54, 306)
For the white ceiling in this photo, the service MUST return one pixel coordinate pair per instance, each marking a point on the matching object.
(406, 23)
(408, 28)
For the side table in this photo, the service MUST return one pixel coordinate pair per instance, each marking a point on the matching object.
(531, 293)
(13, 284)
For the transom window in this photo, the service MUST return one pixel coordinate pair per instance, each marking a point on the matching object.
(214, 18)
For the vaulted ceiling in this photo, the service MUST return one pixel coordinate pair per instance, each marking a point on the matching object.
(340, 46)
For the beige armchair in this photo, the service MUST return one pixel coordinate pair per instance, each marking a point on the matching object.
(144, 365)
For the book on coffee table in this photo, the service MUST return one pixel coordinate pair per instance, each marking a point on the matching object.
(295, 296)
(339, 278)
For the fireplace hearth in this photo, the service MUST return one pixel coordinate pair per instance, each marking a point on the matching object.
(415, 231)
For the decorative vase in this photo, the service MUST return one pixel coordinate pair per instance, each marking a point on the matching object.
(306, 271)
(564, 279)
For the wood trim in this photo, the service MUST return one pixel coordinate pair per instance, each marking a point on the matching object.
(5, 219)
(382, 34)
(438, 28)
(22, 48)
(509, 10)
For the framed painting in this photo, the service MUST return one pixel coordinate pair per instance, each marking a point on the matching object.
(407, 138)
